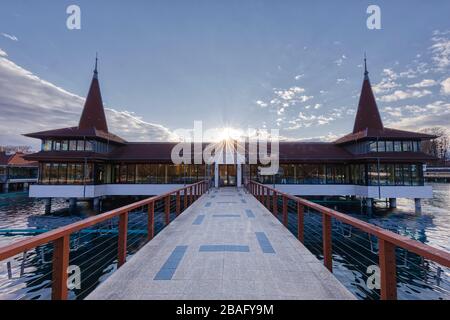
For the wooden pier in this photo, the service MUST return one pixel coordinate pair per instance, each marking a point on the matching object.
(227, 245)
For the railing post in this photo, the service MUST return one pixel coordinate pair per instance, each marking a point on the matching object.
(300, 223)
(61, 249)
(185, 198)
(178, 204)
(275, 203)
(151, 221)
(167, 209)
(388, 270)
(268, 199)
(327, 245)
(123, 233)
(285, 212)
(190, 195)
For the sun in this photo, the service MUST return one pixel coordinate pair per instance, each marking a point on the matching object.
(228, 134)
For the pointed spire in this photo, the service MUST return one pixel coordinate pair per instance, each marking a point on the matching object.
(366, 73)
(93, 115)
(96, 64)
(367, 116)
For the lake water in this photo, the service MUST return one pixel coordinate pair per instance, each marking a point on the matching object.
(95, 251)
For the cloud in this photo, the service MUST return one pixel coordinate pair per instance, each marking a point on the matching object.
(445, 86)
(401, 95)
(441, 50)
(10, 37)
(261, 103)
(3, 53)
(28, 104)
(340, 80)
(424, 84)
(290, 93)
(415, 118)
(298, 77)
(340, 61)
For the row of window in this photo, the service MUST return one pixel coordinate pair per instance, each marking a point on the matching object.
(384, 146)
(75, 145)
(358, 174)
(89, 173)
(19, 172)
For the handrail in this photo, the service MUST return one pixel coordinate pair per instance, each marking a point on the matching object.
(61, 235)
(388, 239)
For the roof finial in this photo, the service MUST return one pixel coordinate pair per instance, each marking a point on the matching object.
(366, 73)
(96, 64)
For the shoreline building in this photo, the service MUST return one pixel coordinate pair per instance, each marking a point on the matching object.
(89, 162)
(16, 173)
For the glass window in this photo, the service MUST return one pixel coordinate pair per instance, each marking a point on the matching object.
(45, 173)
(399, 175)
(89, 146)
(389, 146)
(407, 174)
(372, 146)
(407, 146)
(62, 173)
(123, 173)
(397, 146)
(415, 175)
(72, 145)
(78, 173)
(416, 146)
(373, 174)
(381, 146)
(47, 145)
(64, 145)
(80, 145)
(54, 173)
(390, 174)
(71, 173)
(57, 145)
(131, 173)
(88, 173)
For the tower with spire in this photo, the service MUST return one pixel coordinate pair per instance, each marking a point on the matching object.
(93, 115)
(368, 124)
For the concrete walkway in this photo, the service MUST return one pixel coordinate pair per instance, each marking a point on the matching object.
(225, 246)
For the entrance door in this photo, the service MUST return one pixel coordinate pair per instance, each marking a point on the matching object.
(227, 175)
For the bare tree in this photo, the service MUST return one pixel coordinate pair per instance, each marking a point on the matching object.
(438, 147)
(14, 149)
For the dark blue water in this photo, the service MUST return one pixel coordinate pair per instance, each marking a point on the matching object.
(95, 250)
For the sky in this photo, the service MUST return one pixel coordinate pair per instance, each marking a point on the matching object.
(296, 66)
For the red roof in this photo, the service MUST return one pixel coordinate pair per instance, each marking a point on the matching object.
(93, 115)
(367, 116)
(17, 160)
(75, 132)
(385, 133)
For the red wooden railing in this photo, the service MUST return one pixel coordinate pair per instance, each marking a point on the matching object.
(388, 240)
(60, 237)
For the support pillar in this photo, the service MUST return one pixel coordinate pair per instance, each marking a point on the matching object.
(6, 187)
(216, 175)
(392, 203)
(48, 205)
(96, 204)
(72, 205)
(369, 202)
(418, 205)
(26, 186)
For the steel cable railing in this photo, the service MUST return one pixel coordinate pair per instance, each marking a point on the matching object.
(405, 265)
(98, 244)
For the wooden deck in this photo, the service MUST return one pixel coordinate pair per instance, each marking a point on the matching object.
(225, 246)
